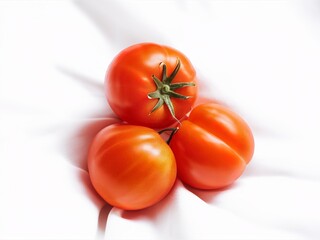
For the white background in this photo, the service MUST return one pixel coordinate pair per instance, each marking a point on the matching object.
(261, 58)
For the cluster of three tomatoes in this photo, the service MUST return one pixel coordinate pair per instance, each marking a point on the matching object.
(153, 90)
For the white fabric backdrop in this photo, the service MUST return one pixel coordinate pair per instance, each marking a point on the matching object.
(262, 58)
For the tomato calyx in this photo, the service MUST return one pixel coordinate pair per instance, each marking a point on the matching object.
(166, 89)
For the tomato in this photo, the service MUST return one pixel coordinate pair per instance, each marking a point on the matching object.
(151, 85)
(212, 147)
(131, 167)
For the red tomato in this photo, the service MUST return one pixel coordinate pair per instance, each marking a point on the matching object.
(212, 147)
(131, 167)
(151, 85)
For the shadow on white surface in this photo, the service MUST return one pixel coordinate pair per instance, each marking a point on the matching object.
(158, 218)
(102, 221)
(78, 143)
(78, 151)
(208, 196)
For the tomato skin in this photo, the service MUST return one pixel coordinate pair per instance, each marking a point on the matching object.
(129, 80)
(212, 147)
(131, 167)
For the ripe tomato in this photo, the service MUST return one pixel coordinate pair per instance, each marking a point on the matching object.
(212, 147)
(131, 167)
(151, 85)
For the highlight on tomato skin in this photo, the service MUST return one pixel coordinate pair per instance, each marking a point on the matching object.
(151, 85)
(212, 147)
(131, 167)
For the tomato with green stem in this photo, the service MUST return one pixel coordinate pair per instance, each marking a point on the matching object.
(212, 147)
(131, 167)
(151, 85)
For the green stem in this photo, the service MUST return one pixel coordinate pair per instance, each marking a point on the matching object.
(173, 131)
(165, 89)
